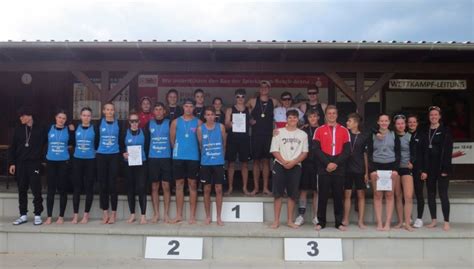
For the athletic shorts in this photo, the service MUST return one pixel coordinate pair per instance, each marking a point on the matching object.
(286, 180)
(159, 169)
(404, 171)
(212, 174)
(309, 177)
(185, 169)
(261, 147)
(238, 146)
(354, 179)
(383, 166)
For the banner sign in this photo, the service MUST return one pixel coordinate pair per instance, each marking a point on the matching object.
(427, 84)
(463, 153)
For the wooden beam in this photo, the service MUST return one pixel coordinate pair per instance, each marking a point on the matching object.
(243, 67)
(84, 79)
(377, 86)
(348, 91)
(104, 86)
(359, 93)
(117, 89)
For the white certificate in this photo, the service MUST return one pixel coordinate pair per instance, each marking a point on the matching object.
(238, 123)
(384, 181)
(134, 155)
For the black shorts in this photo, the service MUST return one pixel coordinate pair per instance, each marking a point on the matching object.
(286, 179)
(354, 179)
(261, 147)
(404, 171)
(185, 169)
(212, 174)
(383, 166)
(159, 169)
(309, 177)
(238, 146)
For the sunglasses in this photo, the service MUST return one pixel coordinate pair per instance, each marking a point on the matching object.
(400, 116)
(434, 108)
(134, 121)
(312, 93)
(240, 96)
(286, 99)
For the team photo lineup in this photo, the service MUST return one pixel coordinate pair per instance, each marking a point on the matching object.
(300, 150)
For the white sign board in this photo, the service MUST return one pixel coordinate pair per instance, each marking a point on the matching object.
(463, 153)
(239, 212)
(430, 84)
(313, 249)
(173, 248)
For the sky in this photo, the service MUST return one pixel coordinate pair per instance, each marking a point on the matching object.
(341, 20)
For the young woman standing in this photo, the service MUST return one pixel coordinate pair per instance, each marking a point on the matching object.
(57, 165)
(108, 158)
(136, 174)
(145, 114)
(84, 163)
(174, 110)
(438, 148)
(383, 154)
(405, 175)
(218, 105)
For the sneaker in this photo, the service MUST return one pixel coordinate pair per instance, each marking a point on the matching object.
(418, 223)
(22, 219)
(299, 220)
(38, 220)
(315, 221)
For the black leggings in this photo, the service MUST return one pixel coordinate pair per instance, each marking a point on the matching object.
(419, 186)
(442, 183)
(107, 172)
(83, 176)
(330, 184)
(136, 185)
(57, 181)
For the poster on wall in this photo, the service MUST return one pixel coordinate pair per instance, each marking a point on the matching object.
(223, 85)
(83, 97)
(463, 153)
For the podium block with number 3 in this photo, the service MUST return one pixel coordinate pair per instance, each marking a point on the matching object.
(313, 249)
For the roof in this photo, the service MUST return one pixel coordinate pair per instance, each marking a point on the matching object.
(268, 51)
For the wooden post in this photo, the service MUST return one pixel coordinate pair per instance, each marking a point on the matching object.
(104, 86)
(121, 85)
(359, 94)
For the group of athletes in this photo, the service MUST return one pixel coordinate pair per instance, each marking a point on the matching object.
(302, 146)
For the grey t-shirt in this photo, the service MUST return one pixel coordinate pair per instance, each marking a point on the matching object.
(384, 148)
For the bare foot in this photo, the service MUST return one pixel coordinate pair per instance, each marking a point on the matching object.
(292, 225)
(386, 228)
(166, 219)
(143, 219)
(131, 219)
(267, 192)
(362, 225)
(398, 226)
(275, 225)
(48, 221)
(74, 219)
(342, 228)
(112, 218)
(345, 223)
(408, 228)
(155, 218)
(229, 192)
(379, 227)
(220, 222)
(85, 218)
(60, 220)
(207, 221)
(105, 217)
(446, 226)
(432, 224)
(318, 227)
(192, 221)
(246, 192)
(177, 220)
(254, 193)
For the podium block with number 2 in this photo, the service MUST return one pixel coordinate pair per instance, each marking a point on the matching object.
(239, 212)
(174, 248)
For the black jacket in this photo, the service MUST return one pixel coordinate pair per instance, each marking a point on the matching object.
(445, 156)
(19, 153)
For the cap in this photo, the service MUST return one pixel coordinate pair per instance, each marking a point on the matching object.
(188, 101)
(265, 83)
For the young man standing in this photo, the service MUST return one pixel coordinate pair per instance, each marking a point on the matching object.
(185, 158)
(313, 103)
(332, 148)
(290, 148)
(238, 143)
(159, 160)
(279, 113)
(199, 104)
(261, 109)
(25, 154)
(212, 139)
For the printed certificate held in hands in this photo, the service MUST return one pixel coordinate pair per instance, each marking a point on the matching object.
(134, 155)
(238, 123)
(384, 181)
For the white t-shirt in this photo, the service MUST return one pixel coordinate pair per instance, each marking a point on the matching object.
(290, 144)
